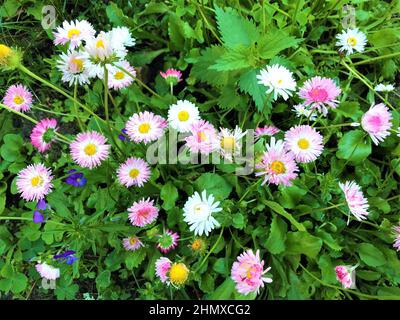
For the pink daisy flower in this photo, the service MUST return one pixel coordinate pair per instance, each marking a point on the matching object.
(163, 265)
(203, 137)
(143, 213)
(377, 121)
(132, 243)
(277, 164)
(18, 97)
(134, 171)
(168, 241)
(172, 76)
(42, 134)
(118, 79)
(248, 272)
(145, 126)
(73, 32)
(265, 131)
(89, 149)
(346, 276)
(305, 142)
(355, 199)
(320, 93)
(47, 271)
(34, 182)
(396, 243)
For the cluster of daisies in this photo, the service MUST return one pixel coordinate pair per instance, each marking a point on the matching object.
(86, 55)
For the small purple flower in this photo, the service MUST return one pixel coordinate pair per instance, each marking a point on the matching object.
(38, 217)
(76, 179)
(123, 135)
(41, 205)
(67, 257)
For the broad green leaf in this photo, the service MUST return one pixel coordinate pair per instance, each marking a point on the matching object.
(224, 291)
(354, 146)
(302, 242)
(371, 255)
(277, 236)
(169, 194)
(213, 184)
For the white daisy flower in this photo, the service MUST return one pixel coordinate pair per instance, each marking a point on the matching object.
(73, 32)
(351, 40)
(182, 115)
(123, 36)
(47, 271)
(384, 87)
(117, 79)
(75, 67)
(229, 142)
(198, 212)
(100, 47)
(278, 79)
(302, 110)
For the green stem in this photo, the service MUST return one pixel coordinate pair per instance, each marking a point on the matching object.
(29, 219)
(336, 125)
(76, 107)
(106, 110)
(211, 250)
(45, 82)
(321, 209)
(349, 290)
(23, 115)
(386, 56)
(138, 81)
(365, 81)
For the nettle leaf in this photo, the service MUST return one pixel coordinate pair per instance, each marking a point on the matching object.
(234, 60)
(302, 242)
(354, 146)
(235, 30)
(274, 42)
(248, 83)
(201, 64)
(135, 258)
(371, 255)
(277, 236)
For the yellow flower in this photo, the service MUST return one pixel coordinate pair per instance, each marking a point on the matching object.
(178, 273)
(198, 246)
(5, 53)
(9, 58)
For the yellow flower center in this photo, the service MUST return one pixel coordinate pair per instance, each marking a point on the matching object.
(134, 173)
(178, 273)
(196, 245)
(303, 144)
(100, 44)
(228, 143)
(77, 65)
(280, 81)
(36, 181)
(72, 33)
(4, 51)
(144, 127)
(132, 241)
(119, 75)
(18, 100)
(183, 115)
(201, 136)
(278, 167)
(352, 41)
(90, 149)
